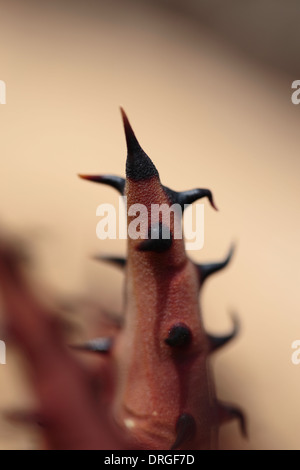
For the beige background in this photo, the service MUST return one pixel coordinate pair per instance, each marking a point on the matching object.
(207, 116)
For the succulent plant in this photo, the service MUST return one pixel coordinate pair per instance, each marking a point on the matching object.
(157, 390)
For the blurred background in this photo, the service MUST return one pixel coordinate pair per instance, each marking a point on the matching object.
(207, 87)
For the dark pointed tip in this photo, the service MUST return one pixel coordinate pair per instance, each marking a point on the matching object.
(184, 198)
(118, 261)
(236, 323)
(131, 140)
(230, 254)
(87, 177)
(185, 430)
(205, 270)
(217, 342)
(227, 412)
(111, 180)
(138, 165)
(207, 193)
(212, 202)
(94, 178)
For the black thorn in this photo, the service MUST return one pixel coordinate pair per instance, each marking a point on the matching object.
(114, 181)
(206, 270)
(138, 164)
(131, 140)
(98, 345)
(116, 260)
(160, 239)
(228, 412)
(188, 197)
(179, 336)
(217, 342)
(185, 429)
